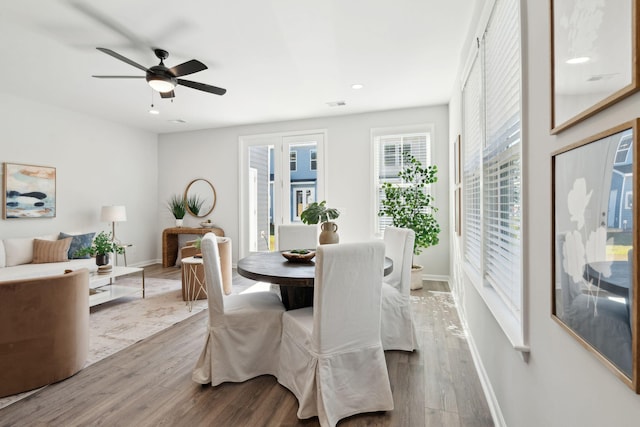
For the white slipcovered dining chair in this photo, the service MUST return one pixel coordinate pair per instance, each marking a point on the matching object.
(331, 356)
(244, 331)
(397, 329)
(297, 236)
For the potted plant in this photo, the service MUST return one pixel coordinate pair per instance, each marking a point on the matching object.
(102, 246)
(319, 212)
(410, 206)
(178, 208)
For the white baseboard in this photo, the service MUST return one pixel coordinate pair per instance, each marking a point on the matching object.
(492, 401)
(436, 277)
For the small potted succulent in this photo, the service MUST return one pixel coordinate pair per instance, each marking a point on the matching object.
(319, 212)
(101, 247)
(178, 208)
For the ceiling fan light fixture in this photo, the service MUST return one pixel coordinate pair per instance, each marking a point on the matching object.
(161, 84)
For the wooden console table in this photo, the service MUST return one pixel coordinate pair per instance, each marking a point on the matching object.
(170, 241)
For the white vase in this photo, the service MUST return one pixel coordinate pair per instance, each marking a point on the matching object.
(416, 277)
(179, 222)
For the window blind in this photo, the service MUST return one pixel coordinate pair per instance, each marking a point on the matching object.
(501, 177)
(472, 137)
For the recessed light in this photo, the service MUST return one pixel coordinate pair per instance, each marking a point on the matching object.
(176, 121)
(578, 60)
(357, 86)
(336, 104)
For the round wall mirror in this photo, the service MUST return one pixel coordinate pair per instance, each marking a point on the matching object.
(200, 197)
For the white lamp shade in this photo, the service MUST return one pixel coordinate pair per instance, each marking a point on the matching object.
(113, 214)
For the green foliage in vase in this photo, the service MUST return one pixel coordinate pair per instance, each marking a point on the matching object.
(177, 206)
(409, 204)
(102, 245)
(318, 212)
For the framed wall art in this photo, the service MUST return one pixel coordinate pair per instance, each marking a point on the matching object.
(595, 232)
(594, 54)
(29, 191)
(457, 171)
(457, 208)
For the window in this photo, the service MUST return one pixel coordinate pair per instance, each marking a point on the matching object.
(388, 147)
(272, 194)
(313, 160)
(293, 160)
(492, 168)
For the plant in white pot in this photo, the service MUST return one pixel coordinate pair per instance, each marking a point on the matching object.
(409, 205)
(319, 212)
(178, 208)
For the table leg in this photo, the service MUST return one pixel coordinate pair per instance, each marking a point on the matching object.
(192, 281)
(296, 297)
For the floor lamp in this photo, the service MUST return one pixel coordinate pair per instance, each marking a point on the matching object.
(113, 214)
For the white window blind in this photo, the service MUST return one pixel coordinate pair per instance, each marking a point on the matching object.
(491, 136)
(389, 160)
(502, 153)
(472, 132)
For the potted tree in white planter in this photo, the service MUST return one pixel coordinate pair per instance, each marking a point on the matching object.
(410, 206)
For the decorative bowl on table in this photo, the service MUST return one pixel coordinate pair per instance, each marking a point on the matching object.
(299, 255)
(206, 224)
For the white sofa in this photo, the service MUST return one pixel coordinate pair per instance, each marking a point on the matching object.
(16, 260)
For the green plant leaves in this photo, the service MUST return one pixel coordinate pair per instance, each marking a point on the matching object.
(318, 212)
(409, 205)
(177, 206)
(102, 245)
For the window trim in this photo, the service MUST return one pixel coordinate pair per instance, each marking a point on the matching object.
(375, 133)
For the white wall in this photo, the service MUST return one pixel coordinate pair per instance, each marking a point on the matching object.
(561, 384)
(213, 154)
(97, 163)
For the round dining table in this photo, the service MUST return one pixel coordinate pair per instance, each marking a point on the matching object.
(295, 279)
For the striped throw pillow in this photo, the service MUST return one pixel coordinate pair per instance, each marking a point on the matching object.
(50, 250)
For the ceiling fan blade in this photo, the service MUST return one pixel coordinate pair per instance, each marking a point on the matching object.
(188, 67)
(122, 58)
(111, 24)
(167, 94)
(119, 77)
(203, 87)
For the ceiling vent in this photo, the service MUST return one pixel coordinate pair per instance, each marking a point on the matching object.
(599, 77)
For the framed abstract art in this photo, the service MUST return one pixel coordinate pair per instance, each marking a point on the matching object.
(594, 293)
(29, 191)
(594, 57)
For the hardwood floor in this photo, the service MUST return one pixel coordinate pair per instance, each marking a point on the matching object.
(149, 383)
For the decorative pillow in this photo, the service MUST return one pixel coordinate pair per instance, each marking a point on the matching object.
(3, 255)
(18, 251)
(51, 250)
(78, 242)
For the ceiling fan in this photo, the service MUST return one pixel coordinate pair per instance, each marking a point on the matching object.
(163, 79)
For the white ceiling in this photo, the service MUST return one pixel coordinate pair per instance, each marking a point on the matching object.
(278, 59)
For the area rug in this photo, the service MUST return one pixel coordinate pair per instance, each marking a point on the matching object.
(118, 324)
